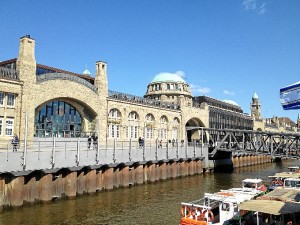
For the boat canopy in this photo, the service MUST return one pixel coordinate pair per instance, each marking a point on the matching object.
(270, 206)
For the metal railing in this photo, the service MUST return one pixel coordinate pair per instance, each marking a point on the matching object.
(55, 153)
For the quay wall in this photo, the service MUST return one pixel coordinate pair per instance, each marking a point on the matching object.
(41, 186)
(44, 186)
(249, 160)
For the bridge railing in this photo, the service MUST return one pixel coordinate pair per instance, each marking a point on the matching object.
(55, 153)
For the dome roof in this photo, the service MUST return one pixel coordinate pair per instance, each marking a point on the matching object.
(86, 72)
(167, 77)
(231, 102)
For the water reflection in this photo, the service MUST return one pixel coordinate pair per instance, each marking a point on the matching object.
(153, 203)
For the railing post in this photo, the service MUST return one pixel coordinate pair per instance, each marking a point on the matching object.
(98, 143)
(53, 152)
(114, 151)
(156, 149)
(25, 141)
(78, 152)
(195, 148)
(130, 146)
(202, 137)
(167, 152)
(186, 147)
(177, 149)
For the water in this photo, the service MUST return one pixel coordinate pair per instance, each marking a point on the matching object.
(153, 203)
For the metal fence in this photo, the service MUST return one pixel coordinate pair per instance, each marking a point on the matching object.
(54, 152)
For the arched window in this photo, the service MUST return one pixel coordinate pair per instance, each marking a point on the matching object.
(114, 121)
(132, 130)
(149, 125)
(57, 118)
(163, 129)
(175, 128)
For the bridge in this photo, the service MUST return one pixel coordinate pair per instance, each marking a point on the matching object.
(55, 153)
(235, 141)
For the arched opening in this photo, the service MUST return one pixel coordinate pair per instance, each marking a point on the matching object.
(194, 135)
(65, 117)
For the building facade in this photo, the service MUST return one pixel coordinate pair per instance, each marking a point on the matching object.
(42, 101)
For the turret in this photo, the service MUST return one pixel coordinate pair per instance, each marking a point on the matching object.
(255, 107)
(101, 78)
(26, 64)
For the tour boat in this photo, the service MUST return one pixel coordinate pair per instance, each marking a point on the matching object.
(221, 207)
(278, 179)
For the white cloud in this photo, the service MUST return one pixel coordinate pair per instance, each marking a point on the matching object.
(249, 4)
(199, 89)
(255, 5)
(226, 92)
(262, 9)
(180, 73)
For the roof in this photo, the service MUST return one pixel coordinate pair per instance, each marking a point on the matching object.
(287, 121)
(230, 102)
(252, 180)
(255, 96)
(284, 195)
(56, 70)
(168, 77)
(270, 206)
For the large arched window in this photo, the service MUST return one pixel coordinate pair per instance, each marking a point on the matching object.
(57, 118)
(149, 125)
(132, 130)
(163, 129)
(114, 121)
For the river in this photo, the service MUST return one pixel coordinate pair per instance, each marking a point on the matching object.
(153, 203)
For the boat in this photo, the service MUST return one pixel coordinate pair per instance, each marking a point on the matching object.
(220, 207)
(280, 206)
(278, 179)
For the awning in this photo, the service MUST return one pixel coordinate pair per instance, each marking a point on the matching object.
(270, 207)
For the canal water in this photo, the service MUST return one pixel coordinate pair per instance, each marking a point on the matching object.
(153, 203)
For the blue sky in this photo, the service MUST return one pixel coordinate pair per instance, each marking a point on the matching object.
(223, 49)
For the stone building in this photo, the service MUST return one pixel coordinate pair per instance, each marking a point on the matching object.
(42, 101)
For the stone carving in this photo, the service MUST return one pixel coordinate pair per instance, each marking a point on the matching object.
(62, 76)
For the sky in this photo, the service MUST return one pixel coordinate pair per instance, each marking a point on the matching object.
(224, 49)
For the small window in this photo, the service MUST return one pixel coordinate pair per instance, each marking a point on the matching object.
(9, 127)
(1, 98)
(10, 100)
(168, 86)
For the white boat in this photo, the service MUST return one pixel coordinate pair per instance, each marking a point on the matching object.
(220, 207)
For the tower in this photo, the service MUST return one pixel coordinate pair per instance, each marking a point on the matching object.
(102, 85)
(255, 107)
(298, 121)
(26, 67)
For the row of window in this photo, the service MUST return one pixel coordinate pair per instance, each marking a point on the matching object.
(113, 131)
(6, 126)
(115, 115)
(7, 98)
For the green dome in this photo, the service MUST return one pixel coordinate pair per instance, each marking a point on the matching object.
(167, 77)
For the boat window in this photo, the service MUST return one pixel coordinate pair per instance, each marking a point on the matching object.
(225, 206)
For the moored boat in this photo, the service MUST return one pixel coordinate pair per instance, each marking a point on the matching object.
(220, 207)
